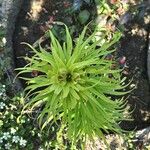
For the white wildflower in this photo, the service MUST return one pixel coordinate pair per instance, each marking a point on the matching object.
(7, 146)
(1, 140)
(3, 86)
(4, 40)
(15, 139)
(12, 130)
(40, 148)
(4, 96)
(6, 135)
(2, 105)
(22, 142)
(39, 135)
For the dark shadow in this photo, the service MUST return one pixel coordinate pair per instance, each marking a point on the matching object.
(134, 46)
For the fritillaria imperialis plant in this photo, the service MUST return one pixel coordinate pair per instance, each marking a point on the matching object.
(75, 86)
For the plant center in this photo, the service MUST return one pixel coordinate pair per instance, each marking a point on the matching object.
(68, 77)
(65, 76)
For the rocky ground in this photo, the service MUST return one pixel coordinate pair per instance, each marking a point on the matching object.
(136, 33)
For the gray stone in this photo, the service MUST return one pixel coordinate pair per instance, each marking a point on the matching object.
(148, 58)
(9, 10)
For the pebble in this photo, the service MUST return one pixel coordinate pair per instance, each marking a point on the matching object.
(122, 60)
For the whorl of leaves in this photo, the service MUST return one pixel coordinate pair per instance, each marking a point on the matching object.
(75, 86)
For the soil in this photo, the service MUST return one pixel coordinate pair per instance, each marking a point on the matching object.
(36, 16)
(31, 24)
(133, 47)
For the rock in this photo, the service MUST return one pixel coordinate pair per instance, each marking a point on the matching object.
(9, 10)
(76, 5)
(148, 58)
(84, 16)
(134, 140)
(125, 18)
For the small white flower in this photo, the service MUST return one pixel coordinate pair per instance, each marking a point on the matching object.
(40, 148)
(22, 142)
(4, 40)
(15, 139)
(6, 135)
(39, 135)
(2, 105)
(12, 130)
(1, 140)
(4, 98)
(3, 86)
(7, 146)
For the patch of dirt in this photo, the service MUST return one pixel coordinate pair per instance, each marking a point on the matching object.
(134, 46)
(36, 17)
(31, 24)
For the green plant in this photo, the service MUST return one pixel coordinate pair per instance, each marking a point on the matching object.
(15, 129)
(129, 139)
(75, 85)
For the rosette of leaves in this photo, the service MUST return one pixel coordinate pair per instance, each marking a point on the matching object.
(75, 86)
